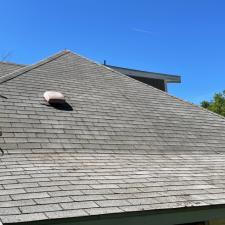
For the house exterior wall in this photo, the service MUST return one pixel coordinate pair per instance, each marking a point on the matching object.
(157, 83)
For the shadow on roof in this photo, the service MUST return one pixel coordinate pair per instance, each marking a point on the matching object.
(61, 106)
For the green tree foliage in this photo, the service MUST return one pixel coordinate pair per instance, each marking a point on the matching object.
(216, 105)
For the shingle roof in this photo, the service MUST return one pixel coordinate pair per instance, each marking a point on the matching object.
(7, 67)
(124, 147)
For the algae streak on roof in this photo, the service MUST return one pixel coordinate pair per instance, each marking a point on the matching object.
(123, 147)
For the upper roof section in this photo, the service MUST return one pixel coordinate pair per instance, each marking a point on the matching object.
(23, 69)
(8, 67)
(157, 80)
(146, 74)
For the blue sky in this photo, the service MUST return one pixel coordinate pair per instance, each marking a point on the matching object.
(185, 37)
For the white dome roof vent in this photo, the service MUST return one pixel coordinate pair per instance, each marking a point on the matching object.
(54, 97)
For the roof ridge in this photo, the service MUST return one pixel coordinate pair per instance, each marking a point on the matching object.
(25, 69)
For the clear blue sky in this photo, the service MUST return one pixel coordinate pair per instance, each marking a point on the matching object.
(185, 37)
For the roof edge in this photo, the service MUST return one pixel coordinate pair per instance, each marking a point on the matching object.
(25, 69)
(170, 78)
(197, 213)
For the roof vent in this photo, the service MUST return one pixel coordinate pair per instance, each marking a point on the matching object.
(54, 97)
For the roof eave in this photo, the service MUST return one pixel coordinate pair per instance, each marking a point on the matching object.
(145, 74)
(151, 217)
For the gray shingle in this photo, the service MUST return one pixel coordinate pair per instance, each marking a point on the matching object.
(53, 200)
(12, 191)
(99, 211)
(6, 67)
(110, 203)
(79, 205)
(17, 203)
(124, 147)
(30, 196)
(23, 217)
(66, 214)
(9, 211)
(65, 193)
(5, 198)
(40, 208)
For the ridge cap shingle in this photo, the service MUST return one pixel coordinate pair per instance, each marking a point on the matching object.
(25, 69)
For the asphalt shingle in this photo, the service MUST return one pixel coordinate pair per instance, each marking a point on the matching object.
(123, 147)
(6, 67)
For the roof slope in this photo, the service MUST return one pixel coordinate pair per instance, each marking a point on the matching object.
(6, 67)
(125, 146)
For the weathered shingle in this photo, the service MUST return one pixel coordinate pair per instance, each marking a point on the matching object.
(124, 147)
(6, 67)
